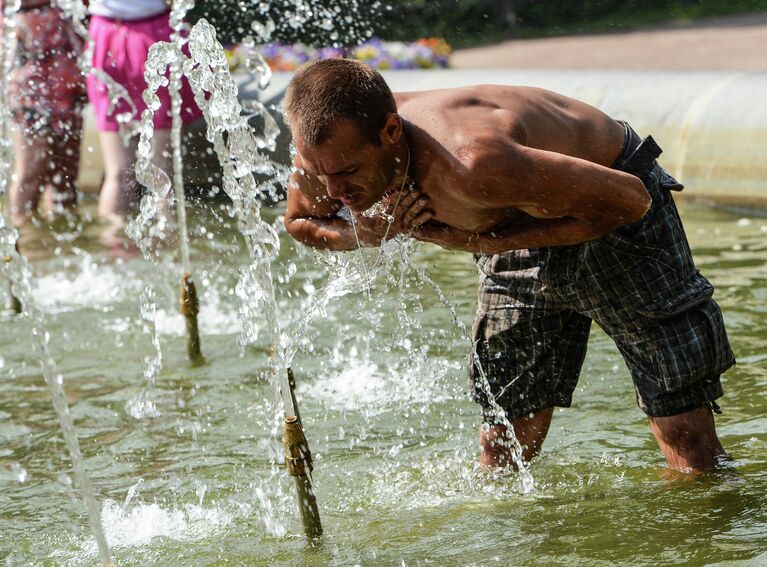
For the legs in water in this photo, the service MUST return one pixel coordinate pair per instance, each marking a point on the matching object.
(45, 164)
(119, 187)
(61, 195)
(688, 440)
(119, 191)
(495, 446)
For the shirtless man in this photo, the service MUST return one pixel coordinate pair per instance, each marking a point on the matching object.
(570, 220)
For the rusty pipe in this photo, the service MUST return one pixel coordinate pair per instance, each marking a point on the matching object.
(298, 460)
(189, 306)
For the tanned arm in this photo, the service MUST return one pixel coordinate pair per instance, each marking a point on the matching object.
(567, 200)
(311, 217)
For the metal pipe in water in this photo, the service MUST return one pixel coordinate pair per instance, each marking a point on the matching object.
(298, 460)
(16, 306)
(188, 302)
(189, 307)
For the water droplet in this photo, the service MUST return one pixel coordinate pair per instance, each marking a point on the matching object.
(18, 472)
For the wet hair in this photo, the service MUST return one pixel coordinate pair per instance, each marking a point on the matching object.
(324, 92)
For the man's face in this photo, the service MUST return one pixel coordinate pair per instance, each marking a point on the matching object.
(353, 170)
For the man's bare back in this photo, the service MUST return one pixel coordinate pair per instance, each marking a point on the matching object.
(444, 128)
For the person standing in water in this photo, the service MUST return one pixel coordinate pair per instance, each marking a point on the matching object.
(569, 218)
(46, 93)
(122, 32)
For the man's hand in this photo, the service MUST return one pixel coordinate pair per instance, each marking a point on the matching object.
(399, 213)
(524, 232)
(446, 236)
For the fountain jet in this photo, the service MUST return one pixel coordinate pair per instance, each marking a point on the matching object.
(237, 147)
(188, 302)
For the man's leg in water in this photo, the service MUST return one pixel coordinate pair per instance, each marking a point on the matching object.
(525, 359)
(496, 447)
(675, 361)
(688, 440)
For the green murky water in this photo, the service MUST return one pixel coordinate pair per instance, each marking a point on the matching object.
(382, 390)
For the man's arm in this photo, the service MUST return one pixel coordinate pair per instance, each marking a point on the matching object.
(311, 217)
(567, 200)
(526, 232)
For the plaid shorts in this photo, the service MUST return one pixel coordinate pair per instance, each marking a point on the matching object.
(638, 283)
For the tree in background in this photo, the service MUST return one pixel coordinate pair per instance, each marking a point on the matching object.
(461, 22)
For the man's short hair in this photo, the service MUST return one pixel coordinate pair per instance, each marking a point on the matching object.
(324, 92)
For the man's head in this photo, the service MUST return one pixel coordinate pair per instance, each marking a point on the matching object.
(325, 92)
(346, 129)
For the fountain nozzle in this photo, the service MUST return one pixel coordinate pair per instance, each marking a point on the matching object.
(16, 305)
(298, 460)
(189, 306)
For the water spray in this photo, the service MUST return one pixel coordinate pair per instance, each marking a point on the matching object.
(16, 268)
(8, 39)
(237, 148)
(151, 223)
(188, 302)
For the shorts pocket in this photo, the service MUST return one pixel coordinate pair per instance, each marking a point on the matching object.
(627, 270)
(639, 251)
(687, 295)
(692, 346)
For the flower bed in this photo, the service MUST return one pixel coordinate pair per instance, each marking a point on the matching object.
(426, 53)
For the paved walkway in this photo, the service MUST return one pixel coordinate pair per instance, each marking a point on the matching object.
(738, 42)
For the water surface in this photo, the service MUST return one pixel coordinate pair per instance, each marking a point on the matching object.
(382, 387)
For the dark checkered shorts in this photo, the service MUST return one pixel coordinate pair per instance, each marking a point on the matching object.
(638, 283)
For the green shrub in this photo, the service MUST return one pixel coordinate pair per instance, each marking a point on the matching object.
(460, 22)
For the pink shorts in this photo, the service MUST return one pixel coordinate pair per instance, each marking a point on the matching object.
(120, 49)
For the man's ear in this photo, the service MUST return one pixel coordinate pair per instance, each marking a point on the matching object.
(392, 129)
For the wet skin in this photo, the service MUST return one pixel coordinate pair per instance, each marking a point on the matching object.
(494, 168)
(502, 168)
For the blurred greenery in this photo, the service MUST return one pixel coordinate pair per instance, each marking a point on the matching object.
(461, 22)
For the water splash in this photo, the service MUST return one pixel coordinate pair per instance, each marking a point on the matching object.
(526, 482)
(16, 268)
(141, 407)
(362, 272)
(151, 225)
(237, 147)
(9, 46)
(18, 472)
